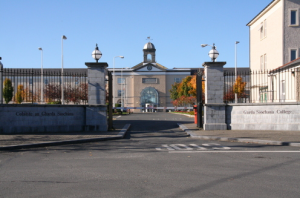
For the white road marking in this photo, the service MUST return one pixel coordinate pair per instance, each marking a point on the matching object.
(169, 148)
(211, 144)
(181, 147)
(234, 151)
(191, 147)
(198, 147)
(217, 146)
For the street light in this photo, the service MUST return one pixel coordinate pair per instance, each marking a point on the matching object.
(96, 54)
(1, 82)
(42, 77)
(213, 53)
(114, 79)
(62, 69)
(123, 87)
(235, 95)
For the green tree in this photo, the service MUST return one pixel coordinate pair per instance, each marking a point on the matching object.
(174, 92)
(8, 90)
(184, 87)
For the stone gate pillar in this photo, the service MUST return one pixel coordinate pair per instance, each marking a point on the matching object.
(96, 111)
(214, 108)
(96, 83)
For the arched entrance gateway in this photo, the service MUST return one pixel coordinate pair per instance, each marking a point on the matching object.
(149, 98)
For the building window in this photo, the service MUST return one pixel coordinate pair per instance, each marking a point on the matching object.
(177, 80)
(149, 58)
(149, 95)
(263, 29)
(294, 21)
(293, 54)
(149, 80)
(263, 62)
(120, 92)
(121, 80)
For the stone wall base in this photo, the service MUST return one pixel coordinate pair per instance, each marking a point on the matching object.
(266, 126)
(52, 118)
(215, 126)
(263, 116)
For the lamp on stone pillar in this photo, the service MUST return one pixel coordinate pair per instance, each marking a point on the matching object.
(96, 54)
(213, 53)
(1, 82)
(96, 79)
(96, 112)
(214, 108)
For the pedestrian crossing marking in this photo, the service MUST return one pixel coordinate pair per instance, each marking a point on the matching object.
(192, 147)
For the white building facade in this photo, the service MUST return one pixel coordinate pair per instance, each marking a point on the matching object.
(274, 52)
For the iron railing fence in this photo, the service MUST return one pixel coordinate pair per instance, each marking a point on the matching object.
(34, 86)
(269, 86)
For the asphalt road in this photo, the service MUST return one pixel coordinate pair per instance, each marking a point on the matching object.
(156, 159)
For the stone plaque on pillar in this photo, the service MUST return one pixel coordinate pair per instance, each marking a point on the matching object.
(214, 109)
(96, 83)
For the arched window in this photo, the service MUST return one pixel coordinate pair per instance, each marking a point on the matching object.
(149, 95)
(149, 58)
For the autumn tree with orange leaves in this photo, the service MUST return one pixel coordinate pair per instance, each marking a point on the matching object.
(238, 88)
(185, 92)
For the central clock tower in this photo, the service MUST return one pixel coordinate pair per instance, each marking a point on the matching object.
(149, 53)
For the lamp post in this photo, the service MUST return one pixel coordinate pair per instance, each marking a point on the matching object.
(114, 79)
(42, 77)
(123, 87)
(122, 91)
(235, 95)
(213, 53)
(1, 82)
(62, 69)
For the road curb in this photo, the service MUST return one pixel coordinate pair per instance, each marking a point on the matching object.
(230, 139)
(120, 135)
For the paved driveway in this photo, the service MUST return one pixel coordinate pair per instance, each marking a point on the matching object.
(156, 159)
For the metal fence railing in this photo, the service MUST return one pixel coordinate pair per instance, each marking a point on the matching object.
(279, 85)
(47, 87)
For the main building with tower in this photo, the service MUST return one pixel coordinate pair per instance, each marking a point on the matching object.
(146, 84)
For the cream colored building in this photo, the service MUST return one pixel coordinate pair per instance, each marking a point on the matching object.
(274, 47)
(274, 35)
(146, 84)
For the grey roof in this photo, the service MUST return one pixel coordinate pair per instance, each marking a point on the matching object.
(148, 46)
(288, 65)
(260, 12)
(157, 65)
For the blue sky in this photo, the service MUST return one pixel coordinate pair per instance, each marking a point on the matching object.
(121, 27)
